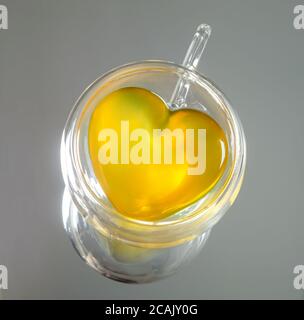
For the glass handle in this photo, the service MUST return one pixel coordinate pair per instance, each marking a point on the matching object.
(191, 61)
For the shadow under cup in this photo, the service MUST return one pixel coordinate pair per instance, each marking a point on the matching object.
(127, 249)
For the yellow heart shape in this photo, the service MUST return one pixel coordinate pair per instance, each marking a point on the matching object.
(151, 191)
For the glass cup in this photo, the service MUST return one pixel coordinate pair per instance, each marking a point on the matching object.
(127, 249)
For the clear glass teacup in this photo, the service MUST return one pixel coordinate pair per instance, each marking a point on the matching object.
(128, 249)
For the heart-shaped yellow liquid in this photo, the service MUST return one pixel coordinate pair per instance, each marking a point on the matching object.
(149, 190)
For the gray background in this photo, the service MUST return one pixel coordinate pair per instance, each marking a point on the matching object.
(54, 49)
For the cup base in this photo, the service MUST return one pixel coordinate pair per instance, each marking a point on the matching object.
(119, 261)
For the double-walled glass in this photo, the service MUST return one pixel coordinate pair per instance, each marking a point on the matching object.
(127, 249)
